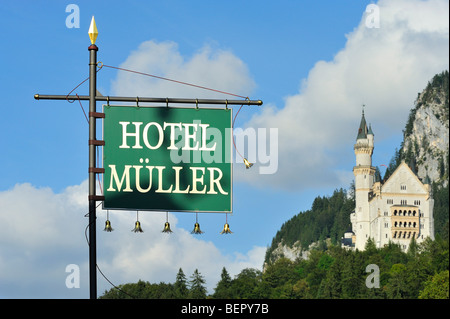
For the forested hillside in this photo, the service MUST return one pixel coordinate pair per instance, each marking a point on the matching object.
(335, 272)
(329, 217)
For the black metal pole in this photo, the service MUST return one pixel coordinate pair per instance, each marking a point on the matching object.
(92, 157)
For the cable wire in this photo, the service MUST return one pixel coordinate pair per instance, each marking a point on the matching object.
(171, 80)
(98, 268)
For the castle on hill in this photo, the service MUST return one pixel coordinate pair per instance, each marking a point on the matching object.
(395, 211)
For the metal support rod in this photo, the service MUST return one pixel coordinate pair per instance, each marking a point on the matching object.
(148, 99)
(92, 160)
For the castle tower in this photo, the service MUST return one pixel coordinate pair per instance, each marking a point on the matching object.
(364, 179)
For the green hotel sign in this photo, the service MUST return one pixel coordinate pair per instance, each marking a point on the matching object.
(167, 159)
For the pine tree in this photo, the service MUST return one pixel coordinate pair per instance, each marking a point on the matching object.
(197, 289)
(180, 287)
(222, 290)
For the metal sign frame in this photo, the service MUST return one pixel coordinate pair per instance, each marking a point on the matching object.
(226, 151)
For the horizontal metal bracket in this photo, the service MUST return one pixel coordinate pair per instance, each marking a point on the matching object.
(97, 142)
(96, 198)
(97, 115)
(96, 170)
(164, 100)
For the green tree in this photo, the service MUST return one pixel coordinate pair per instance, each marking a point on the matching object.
(435, 254)
(300, 290)
(417, 274)
(246, 284)
(197, 289)
(223, 288)
(181, 290)
(413, 248)
(370, 247)
(332, 287)
(278, 279)
(353, 275)
(397, 287)
(437, 287)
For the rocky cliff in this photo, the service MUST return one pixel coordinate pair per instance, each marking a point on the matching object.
(426, 133)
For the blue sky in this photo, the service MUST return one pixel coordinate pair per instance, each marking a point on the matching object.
(313, 63)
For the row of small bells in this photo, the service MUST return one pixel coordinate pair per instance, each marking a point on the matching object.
(138, 229)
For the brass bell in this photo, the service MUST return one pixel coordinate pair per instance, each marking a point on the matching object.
(226, 229)
(167, 228)
(197, 229)
(247, 163)
(108, 227)
(137, 227)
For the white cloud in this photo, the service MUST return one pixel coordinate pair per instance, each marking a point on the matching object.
(212, 68)
(42, 232)
(383, 68)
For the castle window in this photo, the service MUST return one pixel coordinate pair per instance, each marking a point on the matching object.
(403, 187)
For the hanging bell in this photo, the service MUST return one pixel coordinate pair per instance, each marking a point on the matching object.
(108, 227)
(247, 163)
(226, 229)
(137, 227)
(167, 228)
(197, 229)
